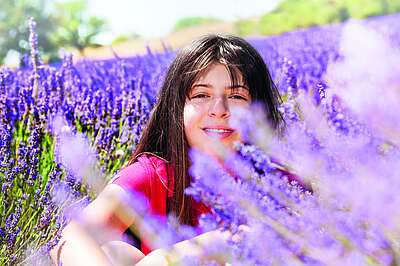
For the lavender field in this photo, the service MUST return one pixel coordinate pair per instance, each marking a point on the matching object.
(66, 130)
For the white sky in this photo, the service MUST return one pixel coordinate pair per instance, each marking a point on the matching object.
(155, 18)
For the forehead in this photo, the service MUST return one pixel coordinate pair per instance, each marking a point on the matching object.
(219, 73)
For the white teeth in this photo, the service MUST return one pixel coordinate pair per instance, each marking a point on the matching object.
(218, 130)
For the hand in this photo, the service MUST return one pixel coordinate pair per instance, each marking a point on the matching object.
(242, 229)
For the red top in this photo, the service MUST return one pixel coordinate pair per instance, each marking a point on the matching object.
(154, 178)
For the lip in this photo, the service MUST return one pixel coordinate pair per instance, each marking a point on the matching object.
(218, 127)
(227, 131)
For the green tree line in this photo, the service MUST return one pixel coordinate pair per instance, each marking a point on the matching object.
(193, 21)
(60, 24)
(293, 14)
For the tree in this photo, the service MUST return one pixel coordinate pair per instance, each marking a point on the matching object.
(14, 15)
(77, 30)
(188, 22)
(59, 24)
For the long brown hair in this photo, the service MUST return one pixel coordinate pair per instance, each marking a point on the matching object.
(165, 130)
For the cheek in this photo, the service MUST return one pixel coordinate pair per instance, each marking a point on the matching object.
(188, 116)
(192, 114)
(191, 118)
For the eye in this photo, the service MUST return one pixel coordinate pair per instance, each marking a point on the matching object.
(238, 97)
(199, 96)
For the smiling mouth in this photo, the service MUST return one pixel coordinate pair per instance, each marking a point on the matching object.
(218, 133)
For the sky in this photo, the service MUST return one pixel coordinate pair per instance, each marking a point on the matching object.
(155, 18)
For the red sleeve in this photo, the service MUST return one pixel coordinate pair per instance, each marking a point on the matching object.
(142, 177)
(135, 177)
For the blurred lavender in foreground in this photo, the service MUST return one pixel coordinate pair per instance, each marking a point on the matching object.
(323, 193)
(77, 156)
(367, 79)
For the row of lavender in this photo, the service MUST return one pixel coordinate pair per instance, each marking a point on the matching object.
(108, 102)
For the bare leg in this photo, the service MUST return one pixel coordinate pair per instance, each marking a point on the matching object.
(121, 253)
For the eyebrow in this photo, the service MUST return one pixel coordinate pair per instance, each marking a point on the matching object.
(210, 86)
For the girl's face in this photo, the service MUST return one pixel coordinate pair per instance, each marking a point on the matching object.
(208, 108)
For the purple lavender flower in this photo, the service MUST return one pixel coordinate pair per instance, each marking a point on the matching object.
(345, 152)
(33, 43)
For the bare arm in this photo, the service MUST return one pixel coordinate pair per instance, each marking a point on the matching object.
(191, 247)
(77, 247)
(101, 221)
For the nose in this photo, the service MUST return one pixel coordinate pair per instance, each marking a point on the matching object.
(219, 108)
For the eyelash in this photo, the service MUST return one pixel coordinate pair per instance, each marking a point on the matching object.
(236, 97)
(201, 95)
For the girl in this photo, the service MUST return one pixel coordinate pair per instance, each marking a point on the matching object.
(205, 82)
